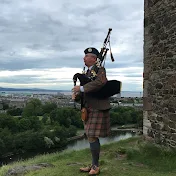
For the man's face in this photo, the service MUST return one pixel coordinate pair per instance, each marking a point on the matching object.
(89, 59)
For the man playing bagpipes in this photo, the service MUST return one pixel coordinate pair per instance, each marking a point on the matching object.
(94, 92)
(97, 123)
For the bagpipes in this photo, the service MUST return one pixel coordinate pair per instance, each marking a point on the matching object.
(111, 87)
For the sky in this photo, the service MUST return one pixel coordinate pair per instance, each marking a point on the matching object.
(42, 42)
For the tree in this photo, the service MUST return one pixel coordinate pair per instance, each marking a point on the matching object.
(5, 106)
(33, 108)
(53, 116)
(76, 118)
(115, 118)
(28, 140)
(140, 118)
(63, 117)
(6, 140)
(45, 118)
(7, 121)
(24, 124)
(36, 124)
(2, 147)
(15, 111)
(48, 107)
(127, 117)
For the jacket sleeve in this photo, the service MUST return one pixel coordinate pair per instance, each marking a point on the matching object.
(98, 83)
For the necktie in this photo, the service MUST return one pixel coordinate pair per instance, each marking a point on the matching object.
(88, 73)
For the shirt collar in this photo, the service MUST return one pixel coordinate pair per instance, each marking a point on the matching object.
(90, 67)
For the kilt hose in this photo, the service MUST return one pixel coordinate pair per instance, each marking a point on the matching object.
(98, 123)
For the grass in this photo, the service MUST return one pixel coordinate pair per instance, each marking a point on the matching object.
(131, 157)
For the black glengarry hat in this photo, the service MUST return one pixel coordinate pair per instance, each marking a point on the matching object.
(92, 51)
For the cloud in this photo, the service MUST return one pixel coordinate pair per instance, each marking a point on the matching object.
(51, 35)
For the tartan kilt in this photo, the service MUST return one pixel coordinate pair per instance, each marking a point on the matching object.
(98, 123)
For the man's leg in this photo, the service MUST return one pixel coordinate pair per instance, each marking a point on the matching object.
(95, 150)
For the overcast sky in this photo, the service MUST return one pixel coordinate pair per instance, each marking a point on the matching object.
(42, 42)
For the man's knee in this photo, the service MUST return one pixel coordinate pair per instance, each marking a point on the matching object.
(92, 139)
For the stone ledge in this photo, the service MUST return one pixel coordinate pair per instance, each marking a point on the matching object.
(21, 170)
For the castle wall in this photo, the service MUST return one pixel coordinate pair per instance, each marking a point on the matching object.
(160, 71)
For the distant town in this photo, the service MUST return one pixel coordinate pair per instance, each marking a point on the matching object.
(19, 99)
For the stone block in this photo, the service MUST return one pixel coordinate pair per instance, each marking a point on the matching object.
(159, 85)
(159, 118)
(145, 130)
(174, 136)
(172, 125)
(147, 104)
(145, 85)
(147, 123)
(146, 75)
(172, 144)
(172, 117)
(165, 128)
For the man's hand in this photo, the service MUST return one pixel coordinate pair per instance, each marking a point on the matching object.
(75, 92)
(76, 89)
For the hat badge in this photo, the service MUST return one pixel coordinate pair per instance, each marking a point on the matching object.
(90, 50)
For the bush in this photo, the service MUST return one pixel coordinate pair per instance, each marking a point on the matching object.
(126, 115)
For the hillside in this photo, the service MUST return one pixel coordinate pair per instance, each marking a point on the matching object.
(131, 157)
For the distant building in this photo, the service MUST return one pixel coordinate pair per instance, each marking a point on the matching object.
(17, 103)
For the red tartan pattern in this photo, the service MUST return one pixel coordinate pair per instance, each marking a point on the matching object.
(98, 123)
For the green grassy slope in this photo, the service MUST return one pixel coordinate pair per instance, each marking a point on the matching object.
(131, 157)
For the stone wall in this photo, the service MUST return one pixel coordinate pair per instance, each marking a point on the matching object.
(160, 71)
